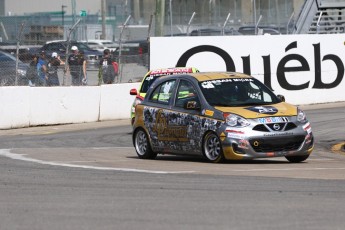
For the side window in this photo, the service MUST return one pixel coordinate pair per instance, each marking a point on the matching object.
(163, 92)
(185, 93)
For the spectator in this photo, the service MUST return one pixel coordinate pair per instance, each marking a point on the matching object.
(77, 66)
(31, 73)
(53, 65)
(108, 69)
(42, 69)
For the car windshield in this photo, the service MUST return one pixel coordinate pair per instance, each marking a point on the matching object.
(237, 92)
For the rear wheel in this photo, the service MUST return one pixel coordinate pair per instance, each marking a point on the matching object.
(296, 159)
(212, 148)
(142, 145)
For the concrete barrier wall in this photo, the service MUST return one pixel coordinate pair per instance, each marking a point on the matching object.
(32, 106)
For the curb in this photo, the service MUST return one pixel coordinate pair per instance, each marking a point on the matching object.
(339, 148)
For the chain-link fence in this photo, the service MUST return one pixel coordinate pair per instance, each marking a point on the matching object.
(18, 62)
(12, 72)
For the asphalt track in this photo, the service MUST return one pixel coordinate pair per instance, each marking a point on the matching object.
(87, 176)
(113, 150)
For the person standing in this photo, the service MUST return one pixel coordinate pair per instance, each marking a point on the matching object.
(77, 66)
(42, 69)
(108, 69)
(53, 65)
(31, 72)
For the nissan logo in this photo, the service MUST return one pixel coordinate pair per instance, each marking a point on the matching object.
(276, 127)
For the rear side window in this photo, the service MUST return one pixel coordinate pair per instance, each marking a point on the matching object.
(163, 92)
(147, 83)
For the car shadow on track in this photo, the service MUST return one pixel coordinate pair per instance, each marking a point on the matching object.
(196, 159)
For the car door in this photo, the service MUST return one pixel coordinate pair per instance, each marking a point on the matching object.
(185, 122)
(157, 115)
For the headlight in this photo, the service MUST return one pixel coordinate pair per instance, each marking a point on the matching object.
(301, 117)
(234, 120)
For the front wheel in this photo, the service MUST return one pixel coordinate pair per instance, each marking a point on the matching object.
(297, 159)
(212, 148)
(142, 145)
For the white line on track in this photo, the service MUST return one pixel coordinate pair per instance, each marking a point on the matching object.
(14, 156)
(284, 169)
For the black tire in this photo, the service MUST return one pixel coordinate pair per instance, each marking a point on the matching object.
(297, 159)
(212, 148)
(142, 145)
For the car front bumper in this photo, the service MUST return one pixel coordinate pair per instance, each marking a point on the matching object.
(238, 146)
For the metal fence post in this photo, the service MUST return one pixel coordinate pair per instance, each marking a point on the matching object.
(226, 22)
(190, 21)
(17, 52)
(67, 51)
(120, 47)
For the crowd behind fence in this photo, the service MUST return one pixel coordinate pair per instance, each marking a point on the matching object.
(131, 69)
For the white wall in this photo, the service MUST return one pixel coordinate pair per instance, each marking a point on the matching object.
(25, 106)
(293, 63)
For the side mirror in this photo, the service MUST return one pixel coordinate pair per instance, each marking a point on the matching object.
(281, 98)
(191, 105)
(133, 92)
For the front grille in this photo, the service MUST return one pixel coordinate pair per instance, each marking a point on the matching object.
(290, 126)
(263, 128)
(276, 144)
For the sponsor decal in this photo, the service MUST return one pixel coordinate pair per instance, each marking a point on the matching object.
(307, 128)
(270, 120)
(171, 71)
(149, 78)
(235, 134)
(168, 133)
(282, 68)
(263, 109)
(210, 84)
(308, 139)
(209, 113)
(191, 104)
(222, 136)
(278, 134)
(234, 131)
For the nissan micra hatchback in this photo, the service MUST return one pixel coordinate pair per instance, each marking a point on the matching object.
(222, 116)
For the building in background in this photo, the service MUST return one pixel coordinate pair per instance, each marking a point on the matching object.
(40, 20)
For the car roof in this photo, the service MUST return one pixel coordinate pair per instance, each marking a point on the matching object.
(172, 70)
(208, 76)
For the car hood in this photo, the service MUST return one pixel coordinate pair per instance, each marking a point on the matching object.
(280, 109)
